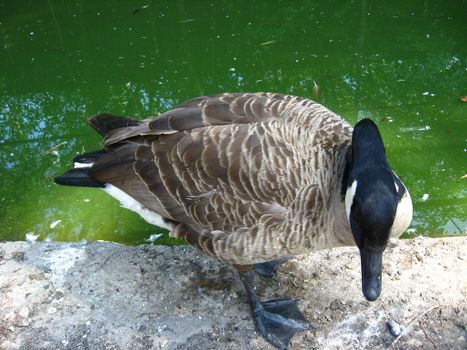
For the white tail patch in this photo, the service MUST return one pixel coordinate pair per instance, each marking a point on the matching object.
(128, 202)
(78, 165)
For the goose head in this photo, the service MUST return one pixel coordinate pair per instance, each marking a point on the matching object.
(378, 204)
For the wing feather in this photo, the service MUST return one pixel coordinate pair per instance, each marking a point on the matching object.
(223, 109)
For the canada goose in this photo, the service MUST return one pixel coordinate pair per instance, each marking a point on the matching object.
(252, 179)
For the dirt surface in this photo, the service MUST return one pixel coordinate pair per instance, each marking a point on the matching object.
(107, 296)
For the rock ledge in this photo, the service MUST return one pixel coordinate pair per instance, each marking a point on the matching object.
(107, 296)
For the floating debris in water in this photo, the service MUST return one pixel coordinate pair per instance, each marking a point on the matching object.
(415, 128)
(267, 43)
(139, 9)
(463, 98)
(187, 20)
(316, 90)
(55, 223)
(31, 237)
(425, 197)
(464, 177)
(387, 119)
(152, 238)
(394, 328)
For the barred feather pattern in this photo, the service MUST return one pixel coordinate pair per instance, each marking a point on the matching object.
(244, 177)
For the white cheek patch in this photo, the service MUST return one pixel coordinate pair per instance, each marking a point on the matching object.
(349, 195)
(403, 216)
(132, 204)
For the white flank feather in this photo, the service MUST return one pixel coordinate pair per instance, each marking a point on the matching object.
(132, 204)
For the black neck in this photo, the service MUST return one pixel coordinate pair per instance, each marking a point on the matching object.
(367, 147)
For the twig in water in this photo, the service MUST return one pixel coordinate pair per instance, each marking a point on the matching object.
(55, 147)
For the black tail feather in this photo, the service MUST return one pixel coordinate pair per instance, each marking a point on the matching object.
(78, 177)
(103, 123)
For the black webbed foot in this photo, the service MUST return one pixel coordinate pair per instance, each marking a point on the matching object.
(269, 268)
(279, 320)
(276, 320)
(286, 308)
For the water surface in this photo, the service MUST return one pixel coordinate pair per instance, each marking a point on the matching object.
(402, 64)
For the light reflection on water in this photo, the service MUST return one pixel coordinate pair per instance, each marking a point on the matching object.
(63, 63)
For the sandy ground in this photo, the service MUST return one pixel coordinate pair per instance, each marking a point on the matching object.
(107, 296)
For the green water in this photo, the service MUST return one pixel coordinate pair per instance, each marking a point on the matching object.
(402, 63)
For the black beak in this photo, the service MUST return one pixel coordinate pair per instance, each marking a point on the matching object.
(371, 272)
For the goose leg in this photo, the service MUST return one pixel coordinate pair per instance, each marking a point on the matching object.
(276, 320)
(269, 268)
